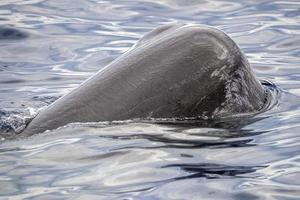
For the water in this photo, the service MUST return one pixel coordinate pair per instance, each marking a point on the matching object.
(49, 47)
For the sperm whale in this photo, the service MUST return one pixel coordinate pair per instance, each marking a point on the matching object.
(174, 71)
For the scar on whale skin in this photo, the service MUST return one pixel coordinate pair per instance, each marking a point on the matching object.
(175, 71)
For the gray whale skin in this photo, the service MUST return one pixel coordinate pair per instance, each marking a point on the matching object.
(175, 71)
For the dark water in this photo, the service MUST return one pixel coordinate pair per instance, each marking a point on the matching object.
(48, 47)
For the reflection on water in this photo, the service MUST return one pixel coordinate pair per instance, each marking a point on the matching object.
(48, 47)
(11, 34)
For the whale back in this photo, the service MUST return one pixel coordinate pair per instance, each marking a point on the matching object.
(175, 71)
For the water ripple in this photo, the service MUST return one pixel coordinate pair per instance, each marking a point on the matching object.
(48, 47)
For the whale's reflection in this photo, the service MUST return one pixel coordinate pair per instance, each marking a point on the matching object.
(212, 170)
(193, 134)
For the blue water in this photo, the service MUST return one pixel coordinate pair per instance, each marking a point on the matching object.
(48, 47)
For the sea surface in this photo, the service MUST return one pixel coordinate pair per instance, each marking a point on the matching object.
(48, 47)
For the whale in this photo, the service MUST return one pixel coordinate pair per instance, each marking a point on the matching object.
(175, 71)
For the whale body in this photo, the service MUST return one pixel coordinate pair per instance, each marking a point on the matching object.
(175, 71)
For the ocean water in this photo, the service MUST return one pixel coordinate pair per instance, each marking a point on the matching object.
(48, 47)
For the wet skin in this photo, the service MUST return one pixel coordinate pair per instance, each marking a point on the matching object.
(174, 71)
